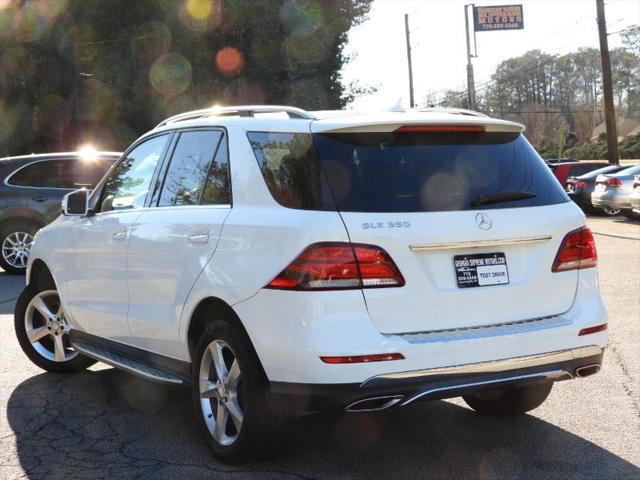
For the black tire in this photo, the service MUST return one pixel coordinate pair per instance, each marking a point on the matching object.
(509, 401)
(37, 351)
(10, 228)
(266, 425)
(610, 212)
(631, 215)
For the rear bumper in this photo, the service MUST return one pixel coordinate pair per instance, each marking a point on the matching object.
(404, 388)
(610, 198)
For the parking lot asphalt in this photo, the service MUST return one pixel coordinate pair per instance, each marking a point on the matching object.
(107, 424)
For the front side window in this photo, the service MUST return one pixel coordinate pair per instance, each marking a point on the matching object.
(63, 173)
(198, 172)
(128, 184)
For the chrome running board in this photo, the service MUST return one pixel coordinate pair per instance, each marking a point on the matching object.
(124, 363)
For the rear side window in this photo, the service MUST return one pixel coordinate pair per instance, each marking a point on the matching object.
(63, 173)
(291, 170)
(198, 172)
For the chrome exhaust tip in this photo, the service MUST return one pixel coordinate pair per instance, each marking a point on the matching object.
(587, 370)
(373, 404)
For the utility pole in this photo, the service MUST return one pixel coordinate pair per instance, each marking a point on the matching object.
(406, 30)
(607, 87)
(471, 88)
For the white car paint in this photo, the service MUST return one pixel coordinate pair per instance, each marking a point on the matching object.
(143, 291)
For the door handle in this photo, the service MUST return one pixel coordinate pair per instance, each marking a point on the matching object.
(119, 234)
(39, 199)
(199, 238)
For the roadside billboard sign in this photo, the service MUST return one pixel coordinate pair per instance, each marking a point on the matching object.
(497, 17)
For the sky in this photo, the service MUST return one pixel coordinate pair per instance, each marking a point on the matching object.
(439, 44)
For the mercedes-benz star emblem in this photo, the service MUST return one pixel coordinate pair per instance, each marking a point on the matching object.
(484, 221)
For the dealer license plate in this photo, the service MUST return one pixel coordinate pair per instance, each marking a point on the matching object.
(481, 270)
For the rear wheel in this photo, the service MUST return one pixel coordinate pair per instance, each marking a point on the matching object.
(43, 331)
(238, 419)
(16, 239)
(611, 212)
(511, 401)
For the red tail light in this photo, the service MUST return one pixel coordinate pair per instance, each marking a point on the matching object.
(613, 182)
(335, 266)
(440, 129)
(590, 330)
(376, 357)
(577, 251)
(579, 184)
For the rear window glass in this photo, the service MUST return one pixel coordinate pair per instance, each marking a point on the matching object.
(408, 172)
(630, 171)
(69, 174)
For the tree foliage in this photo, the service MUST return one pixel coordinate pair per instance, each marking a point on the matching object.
(554, 95)
(107, 70)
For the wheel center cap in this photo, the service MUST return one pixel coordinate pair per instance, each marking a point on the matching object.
(222, 392)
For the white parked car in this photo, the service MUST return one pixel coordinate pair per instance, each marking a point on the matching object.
(282, 262)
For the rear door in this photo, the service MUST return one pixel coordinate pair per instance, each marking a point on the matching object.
(472, 220)
(176, 236)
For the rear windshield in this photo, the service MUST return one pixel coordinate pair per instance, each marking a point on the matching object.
(601, 171)
(404, 172)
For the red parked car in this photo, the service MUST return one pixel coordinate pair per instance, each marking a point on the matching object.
(564, 170)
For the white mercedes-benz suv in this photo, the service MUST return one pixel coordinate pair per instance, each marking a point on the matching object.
(281, 262)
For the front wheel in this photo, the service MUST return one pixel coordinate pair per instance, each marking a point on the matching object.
(238, 419)
(510, 401)
(631, 215)
(43, 331)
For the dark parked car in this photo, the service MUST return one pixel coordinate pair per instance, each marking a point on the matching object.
(564, 170)
(580, 188)
(31, 189)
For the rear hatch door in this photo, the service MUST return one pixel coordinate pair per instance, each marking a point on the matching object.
(472, 219)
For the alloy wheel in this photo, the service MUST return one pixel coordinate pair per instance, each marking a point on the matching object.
(16, 247)
(221, 402)
(47, 328)
(612, 212)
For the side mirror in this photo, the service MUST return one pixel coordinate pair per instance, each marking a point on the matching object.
(76, 203)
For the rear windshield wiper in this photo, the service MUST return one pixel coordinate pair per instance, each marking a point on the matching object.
(501, 197)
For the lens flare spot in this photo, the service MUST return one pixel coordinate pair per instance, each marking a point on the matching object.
(199, 9)
(170, 74)
(4, 4)
(229, 61)
(88, 153)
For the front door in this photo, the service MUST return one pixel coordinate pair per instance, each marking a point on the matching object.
(173, 240)
(96, 257)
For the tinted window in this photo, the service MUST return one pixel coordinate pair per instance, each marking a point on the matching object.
(71, 174)
(128, 184)
(629, 170)
(406, 172)
(291, 170)
(193, 171)
(217, 188)
(577, 170)
(601, 171)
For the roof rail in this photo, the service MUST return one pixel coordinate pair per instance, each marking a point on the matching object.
(241, 111)
(456, 111)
